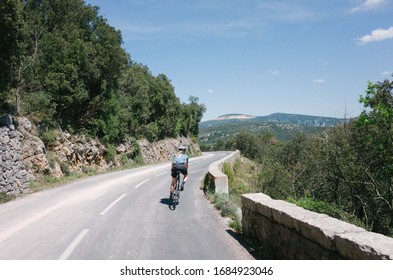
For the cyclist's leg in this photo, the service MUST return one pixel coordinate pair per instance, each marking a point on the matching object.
(185, 178)
(172, 186)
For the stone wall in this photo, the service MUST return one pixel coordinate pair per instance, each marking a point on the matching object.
(290, 232)
(13, 174)
(216, 178)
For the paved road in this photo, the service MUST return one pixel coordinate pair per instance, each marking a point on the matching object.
(121, 215)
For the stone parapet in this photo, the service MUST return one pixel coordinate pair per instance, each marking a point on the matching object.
(291, 232)
(218, 180)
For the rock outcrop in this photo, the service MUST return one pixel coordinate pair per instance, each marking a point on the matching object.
(24, 156)
(165, 149)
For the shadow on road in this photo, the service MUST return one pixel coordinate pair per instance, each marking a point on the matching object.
(169, 202)
(254, 247)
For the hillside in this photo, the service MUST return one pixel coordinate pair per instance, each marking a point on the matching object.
(281, 125)
(74, 74)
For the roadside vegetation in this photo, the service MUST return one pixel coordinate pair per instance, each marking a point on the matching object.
(345, 171)
(63, 67)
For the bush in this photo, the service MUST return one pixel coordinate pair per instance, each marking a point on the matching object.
(229, 172)
(49, 137)
(329, 209)
(124, 159)
(4, 197)
(228, 208)
(65, 168)
(110, 152)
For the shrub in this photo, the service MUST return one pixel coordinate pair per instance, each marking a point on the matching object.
(65, 168)
(110, 152)
(229, 172)
(4, 197)
(49, 137)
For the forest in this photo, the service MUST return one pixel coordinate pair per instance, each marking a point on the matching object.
(63, 66)
(345, 171)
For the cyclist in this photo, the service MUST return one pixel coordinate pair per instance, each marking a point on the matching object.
(179, 162)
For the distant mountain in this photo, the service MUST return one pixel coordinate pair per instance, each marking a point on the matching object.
(282, 126)
(234, 116)
(305, 120)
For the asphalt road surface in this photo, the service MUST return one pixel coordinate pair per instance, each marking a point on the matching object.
(123, 215)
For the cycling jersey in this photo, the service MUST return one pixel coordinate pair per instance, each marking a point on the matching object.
(180, 159)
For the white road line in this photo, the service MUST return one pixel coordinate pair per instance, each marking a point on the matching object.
(32, 219)
(141, 183)
(73, 245)
(112, 204)
(166, 172)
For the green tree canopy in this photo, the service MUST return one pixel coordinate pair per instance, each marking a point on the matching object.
(69, 70)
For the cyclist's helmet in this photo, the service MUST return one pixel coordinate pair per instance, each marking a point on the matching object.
(182, 148)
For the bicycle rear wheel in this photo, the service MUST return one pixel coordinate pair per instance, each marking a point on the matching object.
(176, 192)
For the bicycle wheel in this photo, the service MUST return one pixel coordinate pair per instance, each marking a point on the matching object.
(177, 188)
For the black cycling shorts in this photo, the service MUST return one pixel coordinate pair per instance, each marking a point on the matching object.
(181, 167)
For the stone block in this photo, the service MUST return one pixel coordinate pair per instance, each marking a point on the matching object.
(323, 230)
(250, 200)
(364, 245)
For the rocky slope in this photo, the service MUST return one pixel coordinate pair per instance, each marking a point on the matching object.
(24, 156)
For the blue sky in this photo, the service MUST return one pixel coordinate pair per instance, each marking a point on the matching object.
(260, 57)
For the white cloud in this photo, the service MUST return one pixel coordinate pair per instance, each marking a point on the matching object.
(369, 5)
(376, 35)
(387, 73)
(274, 72)
(210, 91)
(318, 81)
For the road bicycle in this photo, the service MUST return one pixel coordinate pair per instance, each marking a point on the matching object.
(176, 191)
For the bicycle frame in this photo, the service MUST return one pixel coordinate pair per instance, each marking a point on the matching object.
(176, 191)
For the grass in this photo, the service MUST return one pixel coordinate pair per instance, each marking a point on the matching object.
(4, 197)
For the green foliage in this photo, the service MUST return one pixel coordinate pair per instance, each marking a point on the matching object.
(345, 172)
(6, 197)
(65, 168)
(228, 208)
(281, 127)
(12, 30)
(244, 142)
(63, 66)
(49, 137)
(329, 209)
(275, 181)
(229, 172)
(110, 152)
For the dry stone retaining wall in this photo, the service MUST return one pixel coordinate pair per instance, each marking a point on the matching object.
(291, 232)
(13, 173)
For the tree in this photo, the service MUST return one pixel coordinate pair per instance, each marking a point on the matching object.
(80, 60)
(13, 49)
(64, 66)
(192, 115)
(11, 21)
(245, 143)
(374, 141)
